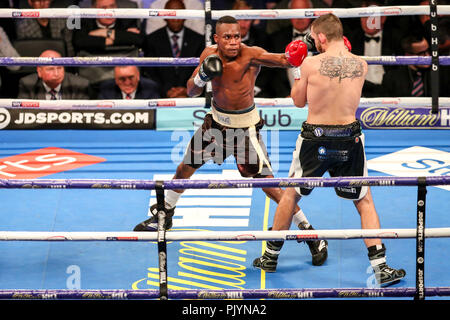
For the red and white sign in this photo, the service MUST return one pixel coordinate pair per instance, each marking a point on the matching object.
(43, 162)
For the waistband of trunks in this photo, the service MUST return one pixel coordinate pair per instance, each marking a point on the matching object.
(234, 111)
(314, 131)
(244, 118)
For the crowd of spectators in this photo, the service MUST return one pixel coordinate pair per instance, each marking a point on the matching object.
(106, 36)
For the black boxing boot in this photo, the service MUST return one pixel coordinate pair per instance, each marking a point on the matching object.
(268, 261)
(318, 248)
(384, 274)
(151, 224)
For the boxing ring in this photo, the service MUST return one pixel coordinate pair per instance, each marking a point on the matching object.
(130, 163)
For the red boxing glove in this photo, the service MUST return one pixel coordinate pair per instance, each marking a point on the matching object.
(296, 52)
(347, 43)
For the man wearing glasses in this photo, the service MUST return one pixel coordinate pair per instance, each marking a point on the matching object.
(413, 80)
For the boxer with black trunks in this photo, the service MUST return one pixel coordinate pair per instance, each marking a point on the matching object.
(331, 138)
(233, 124)
(338, 149)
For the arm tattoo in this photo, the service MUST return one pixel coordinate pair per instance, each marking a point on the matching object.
(341, 67)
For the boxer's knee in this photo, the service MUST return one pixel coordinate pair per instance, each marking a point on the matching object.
(184, 171)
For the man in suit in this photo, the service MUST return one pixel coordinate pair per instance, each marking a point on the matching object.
(252, 35)
(128, 84)
(374, 37)
(53, 83)
(44, 28)
(277, 24)
(197, 25)
(106, 37)
(174, 40)
(99, 35)
(414, 80)
(282, 79)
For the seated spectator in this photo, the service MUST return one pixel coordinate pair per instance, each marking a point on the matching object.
(53, 83)
(444, 37)
(106, 37)
(174, 40)
(414, 80)
(125, 4)
(23, 4)
(252, 35)
(374, 37)
(197, 25)
(128, 84)
(254, 4)
(44, 28)
(277, 24)
(8, 24)
(443, 27)
(282, 79)
(7, 50)
(97, 35)
(133, 4)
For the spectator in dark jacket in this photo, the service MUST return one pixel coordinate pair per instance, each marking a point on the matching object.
(97, 35)
(53, 83)
(296, 29)
(253, 35)
(44, 28)
(128, 84)
(414, 80)
(106, 37)
(174, 40)
(374, 37)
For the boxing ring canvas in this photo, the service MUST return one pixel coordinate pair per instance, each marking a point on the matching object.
(154, 155)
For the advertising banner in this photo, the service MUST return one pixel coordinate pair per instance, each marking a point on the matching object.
(190, 118)
(392, 117)
(29, 118)
(276, 118)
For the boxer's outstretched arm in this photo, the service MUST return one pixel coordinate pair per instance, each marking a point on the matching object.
(268, 59)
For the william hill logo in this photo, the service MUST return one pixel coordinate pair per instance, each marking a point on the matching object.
(382, 117)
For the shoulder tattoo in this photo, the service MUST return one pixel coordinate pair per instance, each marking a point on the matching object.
(341, 67)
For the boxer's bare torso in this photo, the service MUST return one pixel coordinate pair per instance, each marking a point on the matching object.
(234, 89)
(331, 84)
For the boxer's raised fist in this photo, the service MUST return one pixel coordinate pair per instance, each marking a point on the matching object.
(210, 68)
(296, 52)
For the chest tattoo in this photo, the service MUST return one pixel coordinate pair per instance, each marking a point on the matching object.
(341, 68)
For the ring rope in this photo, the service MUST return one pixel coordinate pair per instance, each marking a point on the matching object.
(264, 14)
(105, 61)
(405, 102)
(192, 61)
(222, 294)
(134, 184)
(248, 235)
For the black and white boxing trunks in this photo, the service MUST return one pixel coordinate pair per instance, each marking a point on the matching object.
(338, 149)
(225, 133)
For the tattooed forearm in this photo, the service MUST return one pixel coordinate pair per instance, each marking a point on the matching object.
(341, 67)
